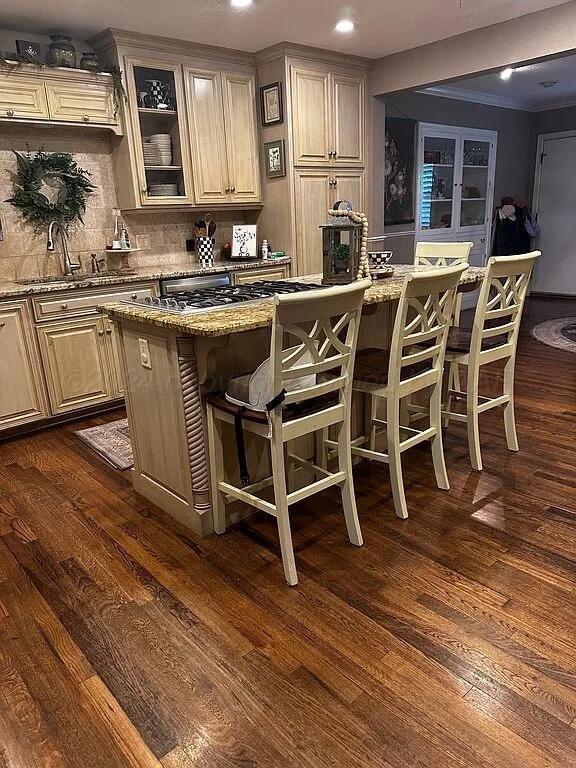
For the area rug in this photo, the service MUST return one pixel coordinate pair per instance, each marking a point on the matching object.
(111, 441)
(560, 333)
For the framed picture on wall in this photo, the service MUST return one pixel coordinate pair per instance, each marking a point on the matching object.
(399, 171)
(274, 159)
(271, 104)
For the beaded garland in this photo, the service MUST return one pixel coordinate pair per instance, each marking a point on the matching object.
(357, 218)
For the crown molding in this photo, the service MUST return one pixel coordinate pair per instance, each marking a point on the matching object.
(491, 100)
(112, 38)
(278, 50)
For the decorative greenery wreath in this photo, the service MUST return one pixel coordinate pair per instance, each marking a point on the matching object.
(33, 170)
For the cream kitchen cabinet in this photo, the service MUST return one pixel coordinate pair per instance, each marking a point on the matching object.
(268, 273)
(22, 98)
(76, 359)
(327, 117)
(22, 395)
(222, 117)
(82, 103)
(316, 191)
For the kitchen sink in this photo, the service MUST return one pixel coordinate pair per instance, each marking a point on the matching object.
(73, 278)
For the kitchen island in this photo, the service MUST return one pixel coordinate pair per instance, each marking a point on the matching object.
(170, 360)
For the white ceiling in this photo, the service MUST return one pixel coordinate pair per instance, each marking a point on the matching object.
(383, 26)
(523, 90)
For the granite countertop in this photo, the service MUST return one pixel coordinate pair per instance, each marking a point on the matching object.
(136, 275)
(247, 317)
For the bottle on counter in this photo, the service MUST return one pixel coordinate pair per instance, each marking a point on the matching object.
(265, 250)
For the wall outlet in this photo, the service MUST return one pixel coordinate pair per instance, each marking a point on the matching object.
(142, 242)
(144, 353)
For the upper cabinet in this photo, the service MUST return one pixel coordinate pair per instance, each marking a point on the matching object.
(62, 96)
(222, 117)
(160, 161)
(328, 117)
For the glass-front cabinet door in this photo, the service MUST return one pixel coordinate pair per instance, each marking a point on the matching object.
(475, 187)
(157, 99)
(438, 156)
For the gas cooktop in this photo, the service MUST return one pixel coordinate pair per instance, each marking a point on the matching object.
(206, 299)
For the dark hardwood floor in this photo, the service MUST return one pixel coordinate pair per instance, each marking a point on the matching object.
(448, 640)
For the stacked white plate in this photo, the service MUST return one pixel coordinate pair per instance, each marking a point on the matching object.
(151, 153)
(163, 190)
(163, 142)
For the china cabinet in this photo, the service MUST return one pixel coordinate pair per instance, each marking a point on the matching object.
(455, 192)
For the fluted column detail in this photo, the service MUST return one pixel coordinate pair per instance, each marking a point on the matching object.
(195, 436)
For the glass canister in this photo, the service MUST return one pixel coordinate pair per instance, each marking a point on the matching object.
(90, 61)
(61, 52)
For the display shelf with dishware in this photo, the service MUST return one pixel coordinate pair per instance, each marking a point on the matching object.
(160, 136)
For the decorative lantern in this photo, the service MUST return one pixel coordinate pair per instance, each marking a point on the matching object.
(344, 245)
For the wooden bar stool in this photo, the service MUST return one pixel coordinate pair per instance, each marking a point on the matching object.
(299, 401)
(444, 255)
(494, 336)
(413, 363)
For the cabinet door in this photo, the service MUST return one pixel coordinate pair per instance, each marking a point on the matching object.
(115, 358)
(21, 388)
(348, 120)
(81, 103)
(241, 138)
(76, 363)
(438, 182)
(251, 275)
(23, 97)
(348, 185)
(477, 156)
(312, 204)
(206, 116)
(311, 117)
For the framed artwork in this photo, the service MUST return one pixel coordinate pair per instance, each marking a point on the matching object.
(31, 51)
(244, 242)
(274, 159)
(271, 104)
(399, 171)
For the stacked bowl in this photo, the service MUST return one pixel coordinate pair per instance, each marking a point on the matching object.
(163, 142)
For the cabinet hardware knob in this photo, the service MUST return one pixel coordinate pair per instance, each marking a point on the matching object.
(109, 331)
(134, 296)
(232, 189)
(10, 113)
(227, 189)
(86, 118)
(2, 325)
(64, 305)
(100, 333)
(144, 190)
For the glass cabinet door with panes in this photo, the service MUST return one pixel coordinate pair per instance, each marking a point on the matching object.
(455, 185)
(160, 144)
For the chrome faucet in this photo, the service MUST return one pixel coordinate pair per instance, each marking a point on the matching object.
(69, 266)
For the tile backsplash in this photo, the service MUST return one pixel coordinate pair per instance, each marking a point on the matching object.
(160, 236)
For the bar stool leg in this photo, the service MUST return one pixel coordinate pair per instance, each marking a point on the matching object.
(216, 469)
(347, 487)
(437, 444)
(395, 456)
(509, 418)
(472, 418)
(282, 516)
(370, 411)
(320, 452)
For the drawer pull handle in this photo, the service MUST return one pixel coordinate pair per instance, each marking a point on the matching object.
(86, 119)
(10, 113)
(64, 305)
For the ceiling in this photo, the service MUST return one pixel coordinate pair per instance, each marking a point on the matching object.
(523, 90)
(383, 26)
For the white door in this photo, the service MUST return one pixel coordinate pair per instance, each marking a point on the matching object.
(555, 270)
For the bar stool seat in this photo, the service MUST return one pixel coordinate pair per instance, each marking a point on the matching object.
(290, 412)
(460, 339)
(372, 367)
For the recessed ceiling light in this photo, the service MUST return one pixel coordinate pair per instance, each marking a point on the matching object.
(344, 26)
(507, 73)
(548, 83)
(240, 3)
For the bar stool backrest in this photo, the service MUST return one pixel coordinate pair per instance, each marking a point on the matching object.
(325, 325)
(442, 254)
(421, 327)
(500, 303)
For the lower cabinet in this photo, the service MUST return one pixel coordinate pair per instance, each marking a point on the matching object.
(21, 387)
(252, 275)
(77, 357)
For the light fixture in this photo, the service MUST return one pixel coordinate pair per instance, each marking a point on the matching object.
(240, 3)
(344, 26)
(548, 83)
(507, 73)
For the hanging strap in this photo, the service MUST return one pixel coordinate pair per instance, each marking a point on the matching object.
(276, 401)
(240, 447)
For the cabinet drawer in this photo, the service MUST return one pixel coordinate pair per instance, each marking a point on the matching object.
(23, 98)
(65, 305)
(81, 103)
(251, 275)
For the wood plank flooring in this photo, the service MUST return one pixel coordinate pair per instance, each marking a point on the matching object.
(447, 640)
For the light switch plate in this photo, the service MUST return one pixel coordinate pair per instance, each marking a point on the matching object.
(144, 353)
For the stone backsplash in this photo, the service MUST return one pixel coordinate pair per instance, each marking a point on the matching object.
(160, 236)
